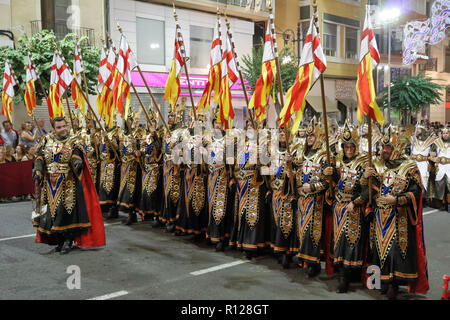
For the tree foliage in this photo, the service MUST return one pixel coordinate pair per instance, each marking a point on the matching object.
(410, 94)
(251, 68)
(41, 48)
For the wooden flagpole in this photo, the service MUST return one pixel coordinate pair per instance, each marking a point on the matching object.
(280, 87)
(183, 54)
(23, 97)
(241, 78)
(149, 91)
(132, 85)
(322, 89)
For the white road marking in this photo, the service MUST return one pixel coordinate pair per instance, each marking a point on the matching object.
(34, 234)
(219, 267)
(432, 211)
(19, 237)
(111, 295)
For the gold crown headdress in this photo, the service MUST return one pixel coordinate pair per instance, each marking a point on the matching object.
(397, 142)
(349, 134)
(313, 127)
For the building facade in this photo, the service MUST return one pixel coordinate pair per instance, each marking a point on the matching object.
(150, 29)
(27, 17)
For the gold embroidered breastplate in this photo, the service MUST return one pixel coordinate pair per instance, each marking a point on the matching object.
(348, 176)
(309, 170)
(59, 185)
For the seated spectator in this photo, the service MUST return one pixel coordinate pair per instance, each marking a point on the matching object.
(20, 152)
(27, 138)
(30, 154)
(2, 154)
(9, 154)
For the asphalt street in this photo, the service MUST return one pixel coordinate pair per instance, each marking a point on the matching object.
(140, 262)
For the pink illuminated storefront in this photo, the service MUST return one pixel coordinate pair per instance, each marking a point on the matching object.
(157, 82)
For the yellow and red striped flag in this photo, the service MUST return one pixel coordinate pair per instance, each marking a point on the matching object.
(8, 91)
(60, 80)
(77, 97)
(229, 78)
(30, 90)
(126, 61)
(312, 65)
(215, 71)
(265, 82)
(369, 57)
(173, 88)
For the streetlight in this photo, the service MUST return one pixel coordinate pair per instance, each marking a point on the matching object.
(389, 16)
(288, 37)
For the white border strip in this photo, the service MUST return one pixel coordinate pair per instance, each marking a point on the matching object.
(219, 267)
(432, 211)
(19, 237)
(111, 295)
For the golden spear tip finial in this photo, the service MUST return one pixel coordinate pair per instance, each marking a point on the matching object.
(119, 27)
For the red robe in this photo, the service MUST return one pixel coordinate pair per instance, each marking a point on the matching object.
(95, 236)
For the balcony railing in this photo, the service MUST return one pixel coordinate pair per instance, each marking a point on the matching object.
(244, 3)
(61, 30)
(430, 65)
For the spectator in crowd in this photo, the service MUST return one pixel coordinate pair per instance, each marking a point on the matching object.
(40, 125)
(30, 154)
(9, 154)
(8, 135)
(27, 137)
(2, 155)
(20, 152)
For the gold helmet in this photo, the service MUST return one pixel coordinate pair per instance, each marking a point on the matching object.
(397, 142)
(178, 110)
(313, 127)
(349, 134)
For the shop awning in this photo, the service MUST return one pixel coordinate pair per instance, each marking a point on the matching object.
(316, 103)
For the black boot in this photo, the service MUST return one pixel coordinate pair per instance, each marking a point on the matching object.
(313, 270)
(60, 242)
(157, 223)
(179, 233)
(132, 218)
(249, 255)
(197, 238)
(67, 245)
(392, 292)
(285, 261)
(112, 213)
(220, 246)
(384, 288)
(342, 281)
(170, 227)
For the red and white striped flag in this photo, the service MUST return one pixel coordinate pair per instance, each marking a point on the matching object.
(77, 97)
(30, 90)
(215, 70)
(8, 91)
(312, 65)
(126, 61)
